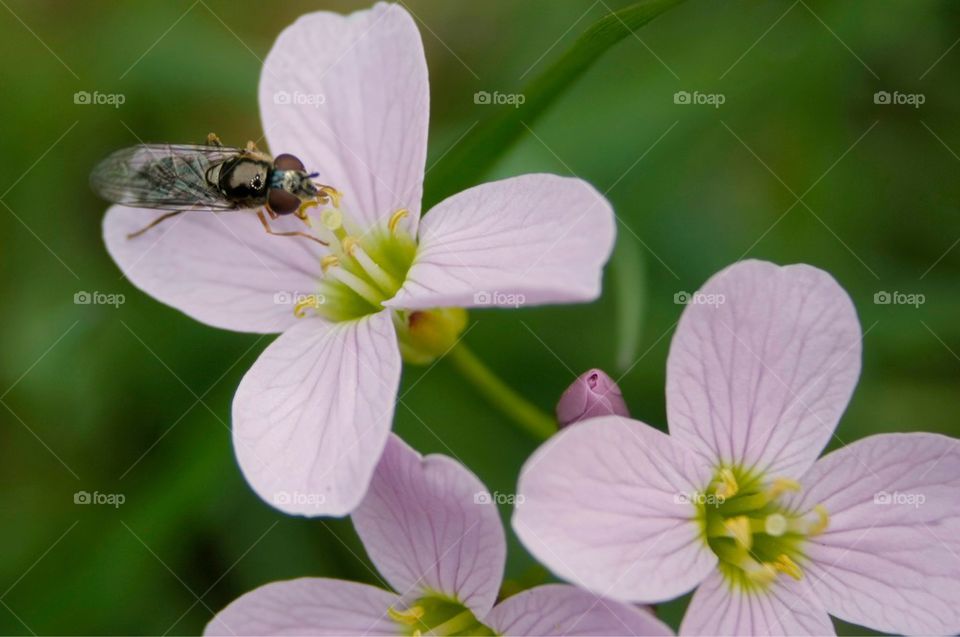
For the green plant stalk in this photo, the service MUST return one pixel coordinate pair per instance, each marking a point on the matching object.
(529, 417)
(480, 149)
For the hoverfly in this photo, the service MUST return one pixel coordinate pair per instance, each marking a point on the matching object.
(212, 177)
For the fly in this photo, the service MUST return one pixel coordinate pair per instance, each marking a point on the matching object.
(186, 177)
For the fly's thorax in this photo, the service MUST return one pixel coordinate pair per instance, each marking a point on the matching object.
(437, 615)
(756, 536)
(242, 179)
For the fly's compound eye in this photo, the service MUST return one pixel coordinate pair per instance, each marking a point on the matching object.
(287, 161)
(282, 202)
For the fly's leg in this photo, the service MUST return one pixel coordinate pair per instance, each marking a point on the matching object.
(153, 223)
(266, 226)
(252, 150)
(213, 140)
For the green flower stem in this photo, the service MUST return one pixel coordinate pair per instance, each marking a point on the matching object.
(529, 417)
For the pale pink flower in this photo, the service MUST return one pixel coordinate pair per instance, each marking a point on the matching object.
(432, 530)
(734, 501)
(349, 96)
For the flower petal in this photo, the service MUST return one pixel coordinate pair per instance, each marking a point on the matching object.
(430, 526)
(788, 607)
(762, 366)
(311, 417)
(219, 268)
(529, 240)
(606, 505)
(349, 96)
(556, 609)
(890, 558)
(308, 606)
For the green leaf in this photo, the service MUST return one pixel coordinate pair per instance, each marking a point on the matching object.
(479, 150)
(629, 293)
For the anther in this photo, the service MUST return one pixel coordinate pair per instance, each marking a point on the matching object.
(760, 572)
(300, 309)
(739, 528)
(395, 219)
(728, 486)
(331, 194)
(409, 616)
(304, 207)
(784, 564)
(329, 261)
(781, 485)
(349, 244)
(823, 520)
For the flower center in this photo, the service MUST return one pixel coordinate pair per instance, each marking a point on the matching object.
(750, 530)
(364, 267)
(438, 615)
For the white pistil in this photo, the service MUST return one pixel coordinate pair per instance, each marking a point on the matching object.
(380, 276)
(775, 524)
(331, 218)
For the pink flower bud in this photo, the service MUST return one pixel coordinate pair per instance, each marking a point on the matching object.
(592, 394)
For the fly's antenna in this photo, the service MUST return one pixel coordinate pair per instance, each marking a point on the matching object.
(313, 175)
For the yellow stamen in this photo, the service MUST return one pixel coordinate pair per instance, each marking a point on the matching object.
(775, 524)
(358, 285)
(300, 309)
(823, 520)
(409, 617)
(739, 528)
(780, 485)
(761, 573)
(306, 205)
(329, 261)
(349, 244)
(384, 281)
(395, 219)
(331, 194)
(728, 486)
(784, 564)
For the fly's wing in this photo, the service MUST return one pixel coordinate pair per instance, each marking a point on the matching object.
(162, 176)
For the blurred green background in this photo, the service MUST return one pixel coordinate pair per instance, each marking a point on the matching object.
(135, 400)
